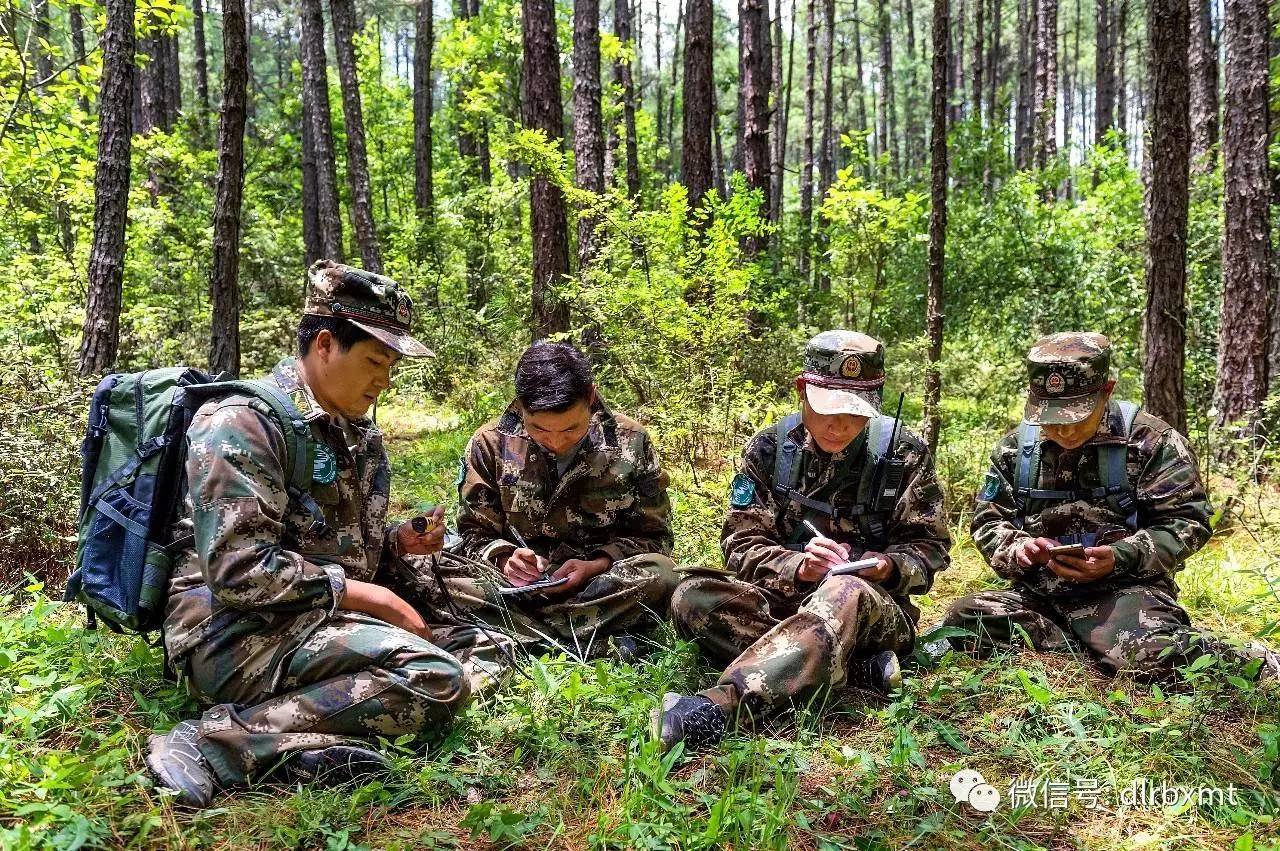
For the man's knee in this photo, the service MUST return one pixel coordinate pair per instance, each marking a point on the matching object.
(693, 599)
(435, 684)
(656, 576)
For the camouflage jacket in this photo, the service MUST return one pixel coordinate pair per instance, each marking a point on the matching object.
(764, 536)
(255, 557)
(612, 499)
(1172, 517)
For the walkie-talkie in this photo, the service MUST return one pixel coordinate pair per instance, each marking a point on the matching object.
(891, 469)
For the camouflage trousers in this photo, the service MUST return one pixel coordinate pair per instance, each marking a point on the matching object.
(631, 595)
(783, 651)
(1139, 630)
(313, 681)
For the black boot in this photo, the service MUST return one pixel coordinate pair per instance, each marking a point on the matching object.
(335, 765)
(696, 721)
(880, 673)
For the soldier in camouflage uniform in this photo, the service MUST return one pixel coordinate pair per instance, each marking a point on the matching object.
(786, 629)
(1085, 469)
(559, 487)
(292, 628)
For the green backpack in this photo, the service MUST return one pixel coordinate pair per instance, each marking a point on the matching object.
(133, 487)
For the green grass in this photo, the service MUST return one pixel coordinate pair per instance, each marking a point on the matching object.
(562, 760)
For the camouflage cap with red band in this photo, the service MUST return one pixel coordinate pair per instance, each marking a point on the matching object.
(844, 373)
(373, 303)
(1068, 377)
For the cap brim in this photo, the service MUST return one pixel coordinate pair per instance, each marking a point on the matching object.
(1061, 411)
(829, 400)
(402, 343)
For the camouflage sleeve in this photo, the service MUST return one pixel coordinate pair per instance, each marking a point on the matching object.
(481, 519)
(646, 526)
(752, 543)
(993, 529)
(920, 542)
(235, 470)
(1173, 513)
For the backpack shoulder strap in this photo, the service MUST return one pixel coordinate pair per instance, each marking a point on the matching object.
(785, 471)
(1113, 468)
(1028, 466)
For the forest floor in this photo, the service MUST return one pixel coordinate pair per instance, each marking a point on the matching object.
(562, 760)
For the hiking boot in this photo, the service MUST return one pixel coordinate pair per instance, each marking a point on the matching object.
(933, 652)
(627, 649)
(179, 766)
(336, 765)
(879, 673)
(696, 721)
(1270, 670)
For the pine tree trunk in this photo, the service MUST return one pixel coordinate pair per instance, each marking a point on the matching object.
(888, 120)
(548, 221)
(937, 226)
(978, 63)
(806, 168)
(1104, 68)
(76, 19)
(778, 136)
(43, 61)
(1120, 40)
(224, 282)
(101, 338)
(1046, 99)
(154, 114)
(622, 24)
(315, 111)
(344, 32)
(659, 95)
(202, 58)
(172, 80)
(827, 158)
(1246, 263)
(1204, 87)
(1026, 85)
(588, 130)
(311, 240)
(473, 154)
(753, 59)
(860, 98)
(1168, 150)
(423, 109)
(993, 65)
(676, 62)
(915, 120)
(698, 100)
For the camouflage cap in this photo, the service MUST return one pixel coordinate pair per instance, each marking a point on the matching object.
(373, 303)
(1068, 373)
(844, 373)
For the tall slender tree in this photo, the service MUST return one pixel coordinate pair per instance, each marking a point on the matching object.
(1204, 87)
(202, 57)
(698, 100)
(543, 111)
(315, 112)
(1024, 117)
(807, 144)
(75, 19)
(1246, 264)
(888, 120)
(224, 281)
(1168, 151)
(1046, 97)
(753, 62)
(588, 131)
(423, 177)
(344, 32)
(859, 89)
(915, 151)
(44, 36)
(978, 64)
(1121, 42)
(994, 62)
(937, 226)
(101, 338)
(778, 135)
(622, 26)
(1104, 69)
(827, 157)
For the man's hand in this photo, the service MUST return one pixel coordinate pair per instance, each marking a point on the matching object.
(523, 566)
(385, 605)
(1031, 551)
(1097, 563)
(820, 555)
(429, 542)
(579, 572)
(880, 572)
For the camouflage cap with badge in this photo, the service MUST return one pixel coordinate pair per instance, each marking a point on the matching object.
(373, 303)
(844, 373)
(1068, 377)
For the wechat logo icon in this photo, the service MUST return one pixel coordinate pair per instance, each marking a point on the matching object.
(970, 787)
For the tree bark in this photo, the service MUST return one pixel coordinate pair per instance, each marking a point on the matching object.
(937, 227)
(622, 25)
(993, 64)
(315, 111)
(806, 169)
(1104, 67)
(1046, 99)
(976, 65)
(888, 120)
(101, 338)
(1168, 150)
(588, 129)
(695, 160)
(1024, 112)
(1121, 41)
(915, 152)
(224, 282)
(172, 80)
(344, 31)
(676, 62)
(1246, 264)
(543, 111)
(778, 137)
(423, 178)
(202, 58)
(827, 161)
(76, 19)
(473, 154)
(860, 94)
(43, 61)
(312, 244)
(753, 62)
(1204, 87)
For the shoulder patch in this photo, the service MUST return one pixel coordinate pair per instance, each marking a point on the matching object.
(325, 468)
(742, 491)
(462, 471)
(990, 488)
